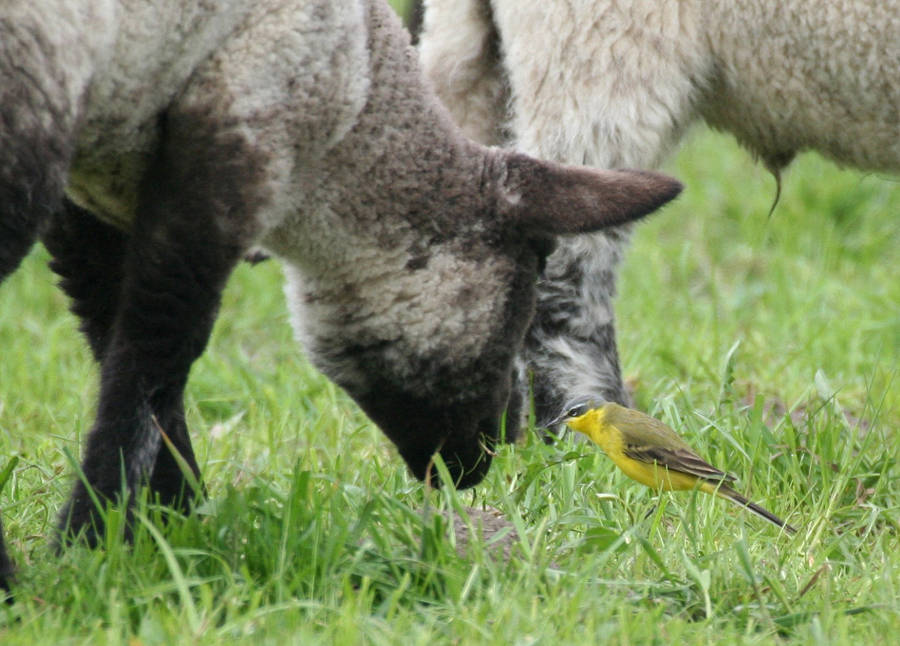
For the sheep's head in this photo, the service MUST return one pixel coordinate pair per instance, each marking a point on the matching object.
(424, 341)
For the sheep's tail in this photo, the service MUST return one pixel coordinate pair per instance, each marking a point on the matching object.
(775, 163)
(777, 174)
(730, 494)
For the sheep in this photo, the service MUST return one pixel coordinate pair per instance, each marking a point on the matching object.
(151, 145)
(615, 84)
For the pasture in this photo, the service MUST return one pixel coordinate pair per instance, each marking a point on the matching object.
(771, 344)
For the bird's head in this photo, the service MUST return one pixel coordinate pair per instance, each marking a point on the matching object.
(576, 409)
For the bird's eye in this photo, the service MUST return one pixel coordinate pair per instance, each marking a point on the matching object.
(574, 412)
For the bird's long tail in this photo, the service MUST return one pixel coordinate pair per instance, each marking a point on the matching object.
(728, 493)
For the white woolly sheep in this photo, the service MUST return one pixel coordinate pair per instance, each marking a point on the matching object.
(616, 83)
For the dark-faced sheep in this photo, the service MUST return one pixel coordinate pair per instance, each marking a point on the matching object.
(151, 144)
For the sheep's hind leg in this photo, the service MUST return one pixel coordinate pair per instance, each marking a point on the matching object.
(194, 222)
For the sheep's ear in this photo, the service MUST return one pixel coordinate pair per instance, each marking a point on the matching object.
(546, 197)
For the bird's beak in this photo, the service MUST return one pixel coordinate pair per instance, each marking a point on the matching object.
(554, 422)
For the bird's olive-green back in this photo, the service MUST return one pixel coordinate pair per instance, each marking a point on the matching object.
(641, 430)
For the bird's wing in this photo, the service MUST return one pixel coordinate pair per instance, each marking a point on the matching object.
(643, 430)
(683, 460)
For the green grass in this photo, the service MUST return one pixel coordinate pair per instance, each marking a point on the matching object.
(772, 345)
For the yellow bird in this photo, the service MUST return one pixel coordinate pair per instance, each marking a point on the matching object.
(648, 451)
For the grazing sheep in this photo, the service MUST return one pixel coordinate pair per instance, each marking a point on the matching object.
(614, 83)
(151, 143)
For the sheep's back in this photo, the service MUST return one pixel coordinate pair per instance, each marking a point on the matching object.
(794, 75)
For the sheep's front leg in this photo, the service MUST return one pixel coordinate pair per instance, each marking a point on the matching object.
(194, 222)
(89, 257)
(571, 345)
(601, 95)
(43, 74)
